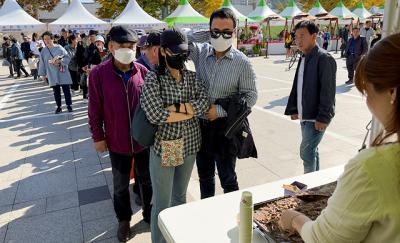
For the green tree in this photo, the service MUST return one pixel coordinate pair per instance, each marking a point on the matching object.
(33, 6)
(113, 8)
(351, 4)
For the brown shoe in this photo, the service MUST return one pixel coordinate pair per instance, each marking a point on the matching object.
(124, 231)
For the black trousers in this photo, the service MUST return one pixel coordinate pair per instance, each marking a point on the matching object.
(67, 94)
(20, 67)
(75, 79)
(121, 168)
(351, 64)
(214, 156)
(11, 67)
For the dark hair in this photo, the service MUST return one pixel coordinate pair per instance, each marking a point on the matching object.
(380, 68)
(224, 13)
(309, 25)
(13, 40)
(356, 28)
(34, 36)
(71, 38)
(48, 33)
(83, 35)
(368, 22)
(5, 38)
(162, 64)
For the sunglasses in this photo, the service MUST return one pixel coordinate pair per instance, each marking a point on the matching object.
(226, 34)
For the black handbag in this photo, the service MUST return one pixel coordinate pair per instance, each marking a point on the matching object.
(142, 130)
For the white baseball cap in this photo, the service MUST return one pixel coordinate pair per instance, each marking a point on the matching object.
(100, 38)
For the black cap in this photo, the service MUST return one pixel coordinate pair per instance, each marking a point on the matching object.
(175, 40)
(63, 30)
(93, 32)
(122, 34)
(153, 39)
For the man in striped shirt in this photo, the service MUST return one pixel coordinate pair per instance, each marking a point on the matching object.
(225, 72)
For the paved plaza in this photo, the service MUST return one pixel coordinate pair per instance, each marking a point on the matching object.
(54, 187)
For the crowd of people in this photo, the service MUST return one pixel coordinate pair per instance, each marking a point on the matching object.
(191, 118)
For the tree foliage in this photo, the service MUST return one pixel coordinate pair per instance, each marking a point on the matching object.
(350, 4)
(112, 8)
(33, 6)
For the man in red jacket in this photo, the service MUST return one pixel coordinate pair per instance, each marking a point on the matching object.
(115, 87)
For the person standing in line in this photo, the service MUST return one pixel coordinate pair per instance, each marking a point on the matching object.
(149, 56)
(172, 99)
(150, 47)
(356, 48)
(115, 88)
(226, 72)
(73, 64)
(312, 98)
(63, 41)
(98, 54)
(82, 65)
(54, 60)
(7, 55)
(33, 62)
(18, 57)
(26, 47)
(327, 38)
(367, 32)
(344, 37)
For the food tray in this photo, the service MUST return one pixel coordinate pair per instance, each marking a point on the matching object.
(267, 213)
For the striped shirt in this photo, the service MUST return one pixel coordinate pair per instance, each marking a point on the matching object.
(224, 77)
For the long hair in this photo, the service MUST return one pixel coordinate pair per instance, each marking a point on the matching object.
(381, 68)
(162, 64)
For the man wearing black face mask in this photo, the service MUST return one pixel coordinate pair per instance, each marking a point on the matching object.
(226, 72)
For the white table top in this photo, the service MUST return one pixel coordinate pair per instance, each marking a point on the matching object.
(215, 219)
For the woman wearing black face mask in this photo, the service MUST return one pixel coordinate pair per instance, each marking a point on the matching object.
(172, 99)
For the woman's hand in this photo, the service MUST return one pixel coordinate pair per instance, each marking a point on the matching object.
(286, 220)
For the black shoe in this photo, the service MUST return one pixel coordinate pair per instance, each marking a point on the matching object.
(59, 110)
(124, 229)
(147, 219)
(18, 77)
(27, 75)
(350, 81)
(10, 76)
(70, 109)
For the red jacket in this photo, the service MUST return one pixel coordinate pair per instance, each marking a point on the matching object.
(110, 115)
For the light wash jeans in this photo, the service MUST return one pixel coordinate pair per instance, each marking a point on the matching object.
(169, 188)
(309, 146)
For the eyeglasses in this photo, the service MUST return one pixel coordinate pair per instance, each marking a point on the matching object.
(226, 34)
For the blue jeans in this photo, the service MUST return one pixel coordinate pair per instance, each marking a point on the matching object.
(309, 146)
(169, 188)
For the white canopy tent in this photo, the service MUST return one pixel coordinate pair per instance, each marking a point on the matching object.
(14, 19)
(78, 17)
(317, 9)
(134, 16)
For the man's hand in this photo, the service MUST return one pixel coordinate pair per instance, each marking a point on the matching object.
(319, 126)
(294, 117)
(212, 114)
(101, 146)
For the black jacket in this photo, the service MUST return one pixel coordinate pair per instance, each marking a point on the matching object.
(231, 135)
(319, 87)
(26, 49)
(360, 48)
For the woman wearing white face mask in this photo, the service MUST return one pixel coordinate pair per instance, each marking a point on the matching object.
(115, 88)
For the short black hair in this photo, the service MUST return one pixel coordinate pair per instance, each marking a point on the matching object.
(13, 40)
(224, 13)
(48, 33)
(309, 25)
(71, 38)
